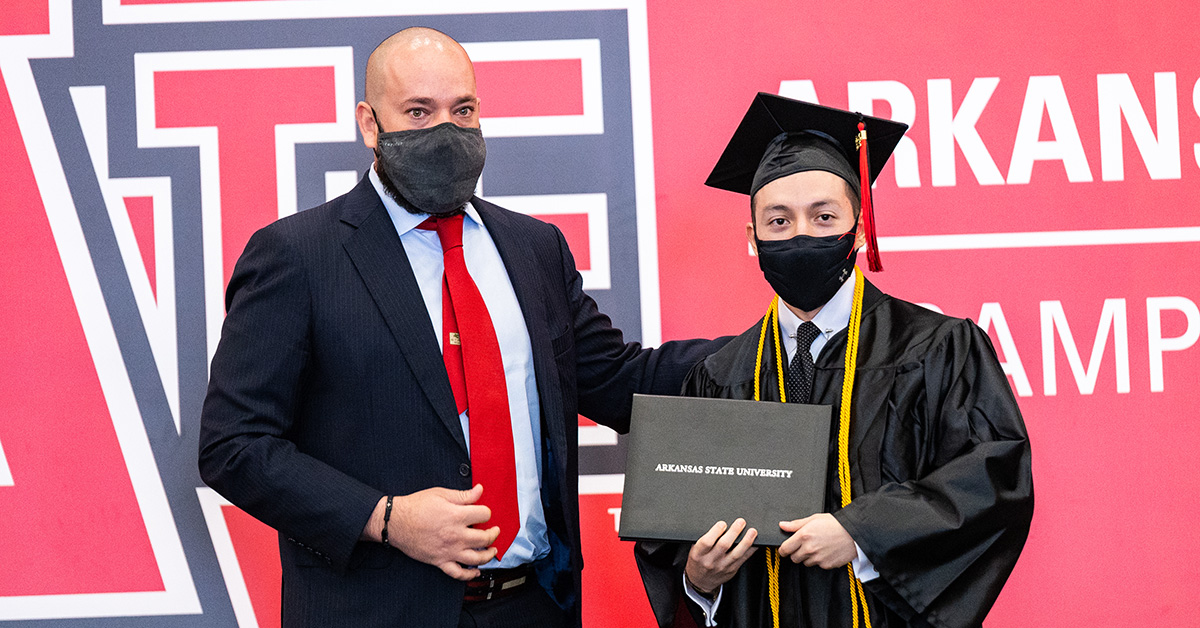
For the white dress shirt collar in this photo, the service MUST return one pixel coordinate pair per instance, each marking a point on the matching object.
(833, 317)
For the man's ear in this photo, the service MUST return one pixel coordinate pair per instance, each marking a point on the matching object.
(860, 235)
(365, 117)
(750, 238)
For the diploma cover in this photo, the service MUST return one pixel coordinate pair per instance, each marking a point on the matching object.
(692, 462)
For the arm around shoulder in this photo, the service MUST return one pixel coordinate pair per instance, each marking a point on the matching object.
(610, 370)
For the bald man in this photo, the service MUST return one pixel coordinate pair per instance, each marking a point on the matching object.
(403, 408)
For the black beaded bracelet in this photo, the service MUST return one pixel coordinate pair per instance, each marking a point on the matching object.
(387, 515)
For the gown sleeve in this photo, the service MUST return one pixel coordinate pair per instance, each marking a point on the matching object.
(661, 564)
(945, 542)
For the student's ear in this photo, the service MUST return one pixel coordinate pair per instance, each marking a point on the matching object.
(860, 236)
(751, 239)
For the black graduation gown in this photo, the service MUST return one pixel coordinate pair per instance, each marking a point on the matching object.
(940, 468)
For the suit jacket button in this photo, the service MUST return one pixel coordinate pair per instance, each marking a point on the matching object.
(464, 469)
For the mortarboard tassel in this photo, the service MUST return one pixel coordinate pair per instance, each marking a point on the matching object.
(868, 212)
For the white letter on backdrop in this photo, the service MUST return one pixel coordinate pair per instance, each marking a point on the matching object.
(861, 98)
(1155, 340)
(1112, 317)
(800, 90)
(1116, 98)
(1046, 93)
(1196, 108)
(946, 127)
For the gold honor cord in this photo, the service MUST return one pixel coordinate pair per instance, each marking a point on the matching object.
(772, 554)
(856, 588)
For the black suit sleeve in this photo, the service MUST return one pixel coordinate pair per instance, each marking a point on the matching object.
(257, 375)
(608, 369)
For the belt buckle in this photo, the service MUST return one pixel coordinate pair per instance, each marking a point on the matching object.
(510, 584)
(494, 586)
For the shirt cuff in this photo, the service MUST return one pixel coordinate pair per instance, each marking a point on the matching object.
(707, 606)
(863, 569)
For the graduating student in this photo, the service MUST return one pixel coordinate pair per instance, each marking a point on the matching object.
(930, 492)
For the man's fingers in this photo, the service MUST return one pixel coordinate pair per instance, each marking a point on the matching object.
(711, 537)
(473, 514)
(726, 541)
(474, 537)
(741, 560)
(790, 546)
(474, 557)
(805, 556)
(745, 546)
(794, 524)
(469, 496)
(457, 571)
(491, 534)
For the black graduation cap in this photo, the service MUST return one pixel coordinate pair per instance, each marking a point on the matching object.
(780, 136)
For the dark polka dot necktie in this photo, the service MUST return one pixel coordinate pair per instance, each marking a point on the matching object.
(799, 376)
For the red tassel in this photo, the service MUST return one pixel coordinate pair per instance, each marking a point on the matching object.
(868, 212)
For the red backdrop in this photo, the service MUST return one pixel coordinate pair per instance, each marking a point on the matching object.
(1046, 190)
(1111, 465)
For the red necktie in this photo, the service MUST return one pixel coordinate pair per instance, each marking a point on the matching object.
(472, 356)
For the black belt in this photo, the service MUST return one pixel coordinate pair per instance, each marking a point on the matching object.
(495, 583)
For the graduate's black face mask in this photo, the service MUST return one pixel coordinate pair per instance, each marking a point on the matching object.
(806, 271)
(436, 168)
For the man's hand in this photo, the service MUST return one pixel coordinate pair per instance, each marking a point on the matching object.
(818, 541)
(434, 527)
(711, 561)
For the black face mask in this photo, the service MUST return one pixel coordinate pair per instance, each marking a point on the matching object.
(435, 169)
(807, 271)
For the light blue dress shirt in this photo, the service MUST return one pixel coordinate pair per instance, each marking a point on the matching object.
(424, 252)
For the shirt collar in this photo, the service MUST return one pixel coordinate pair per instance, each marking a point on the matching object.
(833, 317)
(404, 220)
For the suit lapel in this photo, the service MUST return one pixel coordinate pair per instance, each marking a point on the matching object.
(376, 251)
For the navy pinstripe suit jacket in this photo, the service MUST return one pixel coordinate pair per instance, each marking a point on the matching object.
(328, 391)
